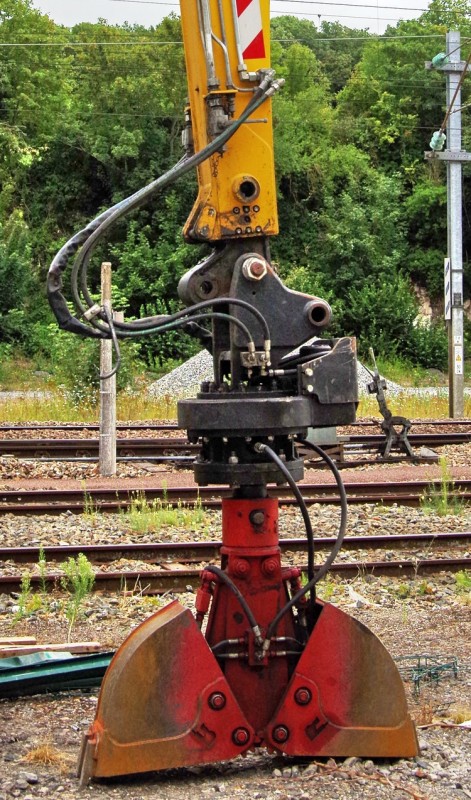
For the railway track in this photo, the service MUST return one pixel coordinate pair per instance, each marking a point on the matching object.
(187, 578)
(171, 427)
(155, 449)
(163, 449)
(177, 566)
(57, 501)
(152, 552)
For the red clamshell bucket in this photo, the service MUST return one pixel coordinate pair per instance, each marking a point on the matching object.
(173, 696)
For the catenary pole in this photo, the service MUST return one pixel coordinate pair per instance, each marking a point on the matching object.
(454, 157)
(455, 236)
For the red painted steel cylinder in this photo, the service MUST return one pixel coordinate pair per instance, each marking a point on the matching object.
(250, 523)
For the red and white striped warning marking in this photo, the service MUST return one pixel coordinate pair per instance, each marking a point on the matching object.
(250, 28)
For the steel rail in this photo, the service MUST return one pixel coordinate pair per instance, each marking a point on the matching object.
(84, 447)
(189, 551)
(137, 425)
(56, 501)
(161, 581)
(89, 448)
(416, 439)
(88, 426)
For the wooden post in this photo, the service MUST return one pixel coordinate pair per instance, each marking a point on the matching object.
(107, 451)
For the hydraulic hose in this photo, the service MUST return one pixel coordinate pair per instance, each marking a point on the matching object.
(243, 602)
(153, 324)
(88, 237)
(335, 549)
(180, 323)
(264, 448)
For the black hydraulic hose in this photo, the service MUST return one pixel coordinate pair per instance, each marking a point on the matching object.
(152, 324)
(333, 553)
(172, 326)
(180, 323)
(264, 448)
(232, 586)
(90, 235)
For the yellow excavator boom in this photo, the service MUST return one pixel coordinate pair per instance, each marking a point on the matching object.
(227, 52)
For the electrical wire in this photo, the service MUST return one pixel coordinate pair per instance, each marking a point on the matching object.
(457, 89)
(299, 2)
(369, 37)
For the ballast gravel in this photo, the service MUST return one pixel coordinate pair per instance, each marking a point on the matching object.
(40, 736)
(411, 616)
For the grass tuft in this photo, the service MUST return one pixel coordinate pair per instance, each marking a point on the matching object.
(47, 755)
(442, 500)
(143, 516)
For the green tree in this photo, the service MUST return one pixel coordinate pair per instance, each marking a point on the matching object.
(16, 278)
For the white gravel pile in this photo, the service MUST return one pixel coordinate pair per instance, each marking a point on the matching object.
(184, 381)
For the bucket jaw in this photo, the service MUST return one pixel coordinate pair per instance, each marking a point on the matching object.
(164, 703)
(345, 697)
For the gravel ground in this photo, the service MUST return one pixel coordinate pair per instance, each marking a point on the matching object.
(424, 621)
(411, 616)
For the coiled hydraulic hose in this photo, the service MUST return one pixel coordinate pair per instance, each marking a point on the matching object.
(88, 237)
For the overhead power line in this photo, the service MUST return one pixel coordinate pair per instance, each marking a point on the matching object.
(130, 43)
(316, 14)
(299, 2)
(84, 44)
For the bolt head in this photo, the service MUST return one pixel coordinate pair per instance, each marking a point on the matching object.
(240, 736)
(257, 517)
(280, 734)
(240, 567)
(303, 696)
(254, 268)
(270, 567)
(217, 701)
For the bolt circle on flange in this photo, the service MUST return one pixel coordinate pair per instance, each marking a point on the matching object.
(217, 701)
(240, 736)
(303, 696)
(280, 734)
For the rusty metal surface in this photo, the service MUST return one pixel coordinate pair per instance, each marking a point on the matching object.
(155, 707)
(173, 698)
(355, 697)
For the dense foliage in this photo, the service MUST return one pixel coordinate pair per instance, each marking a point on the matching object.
(90, 114)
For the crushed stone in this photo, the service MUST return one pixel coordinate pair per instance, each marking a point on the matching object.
(184, 381)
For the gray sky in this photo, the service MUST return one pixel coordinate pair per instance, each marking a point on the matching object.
(372, 14)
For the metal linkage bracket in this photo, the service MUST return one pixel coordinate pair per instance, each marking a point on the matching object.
(395, 428)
